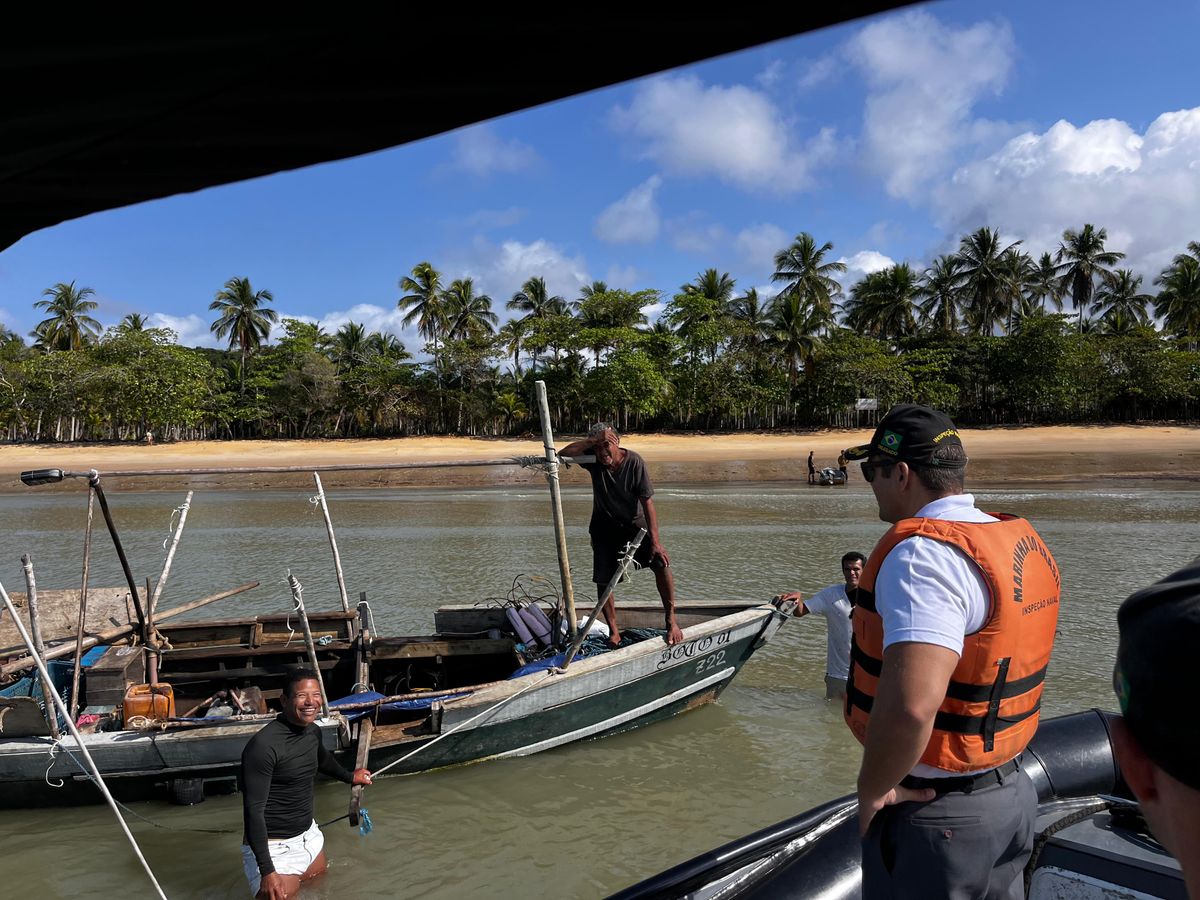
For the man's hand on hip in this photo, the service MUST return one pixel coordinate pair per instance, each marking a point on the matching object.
(868, 807)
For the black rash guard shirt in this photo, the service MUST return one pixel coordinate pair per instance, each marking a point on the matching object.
(279, 765)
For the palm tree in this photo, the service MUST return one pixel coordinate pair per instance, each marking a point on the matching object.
(1119, 294)
(1178, 303)
(752, 318)
(1042, 282)
(132, 323)
(941, 288)
(243, 317)
(424, 301)
(1081, 258)
(794, 327)
(510, 406)
(1118, 321)
(512, 334)
(986, 275)
(808, 277)
(68, 326)
(350, 346)
(882, 303)
(467, 313)
(587, 292)
(535, 301)
(713, 285)
(387, 346)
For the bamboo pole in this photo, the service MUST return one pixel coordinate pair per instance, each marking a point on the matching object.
(150, 647)
(87, 560)
(335, 467)
(114, 634)
(560, 531)
(35, 628)
(622, 567)
(337, 559)
(61, 707)
(298, 596)
(166, 570)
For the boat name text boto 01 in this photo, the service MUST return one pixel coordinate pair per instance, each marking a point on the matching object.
(691, 648)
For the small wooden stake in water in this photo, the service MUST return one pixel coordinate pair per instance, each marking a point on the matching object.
(83, 588)
(560, 531)
(337, 559)
(298, 596)
(79, 744)
(48, 691)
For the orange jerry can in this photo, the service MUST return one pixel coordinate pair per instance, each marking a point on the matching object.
(153, 701)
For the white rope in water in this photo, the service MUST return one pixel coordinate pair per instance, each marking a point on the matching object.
(487, 712)
(58, 702)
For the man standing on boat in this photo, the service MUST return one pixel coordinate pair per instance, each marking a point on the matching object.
(953, 627)
(282, 845)
(621, 504)
(834, 603)
(1158, 748)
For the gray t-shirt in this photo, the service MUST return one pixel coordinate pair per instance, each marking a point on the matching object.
(615, 495)
(834, 605)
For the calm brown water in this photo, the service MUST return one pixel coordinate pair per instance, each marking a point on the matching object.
(579, 821)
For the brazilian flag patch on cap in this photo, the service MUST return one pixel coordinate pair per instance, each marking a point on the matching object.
(890, 442)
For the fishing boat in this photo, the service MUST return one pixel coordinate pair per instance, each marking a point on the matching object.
(174, 704)
(1091, 839)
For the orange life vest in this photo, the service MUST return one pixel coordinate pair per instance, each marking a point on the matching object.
(990, 711)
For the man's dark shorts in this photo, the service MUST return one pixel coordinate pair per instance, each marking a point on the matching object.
(608, 548)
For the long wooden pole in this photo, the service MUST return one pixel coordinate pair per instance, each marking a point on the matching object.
(334, 467)
(35, 628)
(114, 634)
(337, 559)
(61, 707)
(83, 592)
(166, 569)
(298, 596)
(631, 550)
(560, 531)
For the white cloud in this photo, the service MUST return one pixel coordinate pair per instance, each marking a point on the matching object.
(480, 151)
(770, 76)
(500, 270)
(695, 233)
(819, 71)
(1144, 188)
(623, 277)
(734, 133)
(633, 219)
(863, 263)
(489, 219)
(387, 320)
(190, 331)
(924, 79)
(758, 244)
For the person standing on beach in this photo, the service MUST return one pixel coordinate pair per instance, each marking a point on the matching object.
(621, 504)
(834, 603)
(282, 845)
(1157, 742)
(953, 627)
(842, 461)
(812, 469)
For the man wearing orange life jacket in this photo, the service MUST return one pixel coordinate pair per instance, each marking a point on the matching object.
(953, 626)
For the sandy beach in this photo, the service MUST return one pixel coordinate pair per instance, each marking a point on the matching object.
(1035, 454)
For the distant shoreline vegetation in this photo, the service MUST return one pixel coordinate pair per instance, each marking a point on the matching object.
(980, 334)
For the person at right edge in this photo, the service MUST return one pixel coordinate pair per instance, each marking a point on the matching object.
(952, 631)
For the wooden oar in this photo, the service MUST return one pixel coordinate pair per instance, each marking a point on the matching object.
(365, 732)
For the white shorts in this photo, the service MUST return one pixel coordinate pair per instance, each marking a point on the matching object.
(292, 856)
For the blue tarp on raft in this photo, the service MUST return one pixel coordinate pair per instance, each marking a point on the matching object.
(374, 696)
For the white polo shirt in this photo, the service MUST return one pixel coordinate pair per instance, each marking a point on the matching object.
(930, 592)
(834, 605)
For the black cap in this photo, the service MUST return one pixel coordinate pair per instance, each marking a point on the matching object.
(910, 433)
(1155, 677)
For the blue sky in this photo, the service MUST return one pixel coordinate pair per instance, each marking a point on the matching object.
(888, 137)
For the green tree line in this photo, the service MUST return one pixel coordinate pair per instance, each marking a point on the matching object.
(987, 333)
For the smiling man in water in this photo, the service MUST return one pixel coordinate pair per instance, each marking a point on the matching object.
(282, 845)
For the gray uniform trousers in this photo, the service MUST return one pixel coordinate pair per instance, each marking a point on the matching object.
(958, 845)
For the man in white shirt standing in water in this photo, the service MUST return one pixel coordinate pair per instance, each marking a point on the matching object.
(834, 603)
